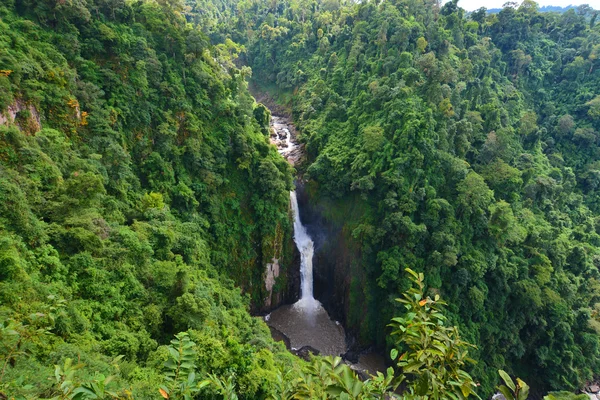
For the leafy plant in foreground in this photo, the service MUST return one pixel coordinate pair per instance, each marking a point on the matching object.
(18, 331)
(331, 378)
(511, 390)
(225, 387)
(69, 388)
(434, 355)
(180, 375)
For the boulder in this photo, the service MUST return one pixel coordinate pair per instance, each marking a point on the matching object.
(305, 351)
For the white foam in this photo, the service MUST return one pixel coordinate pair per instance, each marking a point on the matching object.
(306, 248)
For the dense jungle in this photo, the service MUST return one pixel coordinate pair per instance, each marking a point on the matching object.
(452, 158)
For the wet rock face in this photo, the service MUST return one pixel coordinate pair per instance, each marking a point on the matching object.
(351, 356)
(332, 259)
(272, 273)
(288, 278)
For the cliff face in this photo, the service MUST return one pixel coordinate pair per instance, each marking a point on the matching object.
(281, 277)
(25, 116)
(339, 280)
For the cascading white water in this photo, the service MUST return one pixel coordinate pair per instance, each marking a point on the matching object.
(282, 137)
(306, 248)
(306, 322)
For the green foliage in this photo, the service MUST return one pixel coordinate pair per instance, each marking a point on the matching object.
(330, 378)
(70, 388)
(136, 186)
(180, 375)
(433, 355)
(566, 396)
(467, 146)
(511, 390)
(225, 387)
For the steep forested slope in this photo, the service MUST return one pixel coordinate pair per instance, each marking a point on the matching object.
(462, 146)
(136, 187)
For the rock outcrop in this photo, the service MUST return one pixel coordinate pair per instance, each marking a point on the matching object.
(26, 116)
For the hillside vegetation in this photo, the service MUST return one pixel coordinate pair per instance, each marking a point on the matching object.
(136, 188)
(468, 148)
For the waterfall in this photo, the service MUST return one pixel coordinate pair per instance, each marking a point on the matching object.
(306, 248)
(306, 322)
(282, 138)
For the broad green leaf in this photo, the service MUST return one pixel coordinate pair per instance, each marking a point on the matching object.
(174, 353)
(507, 380)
